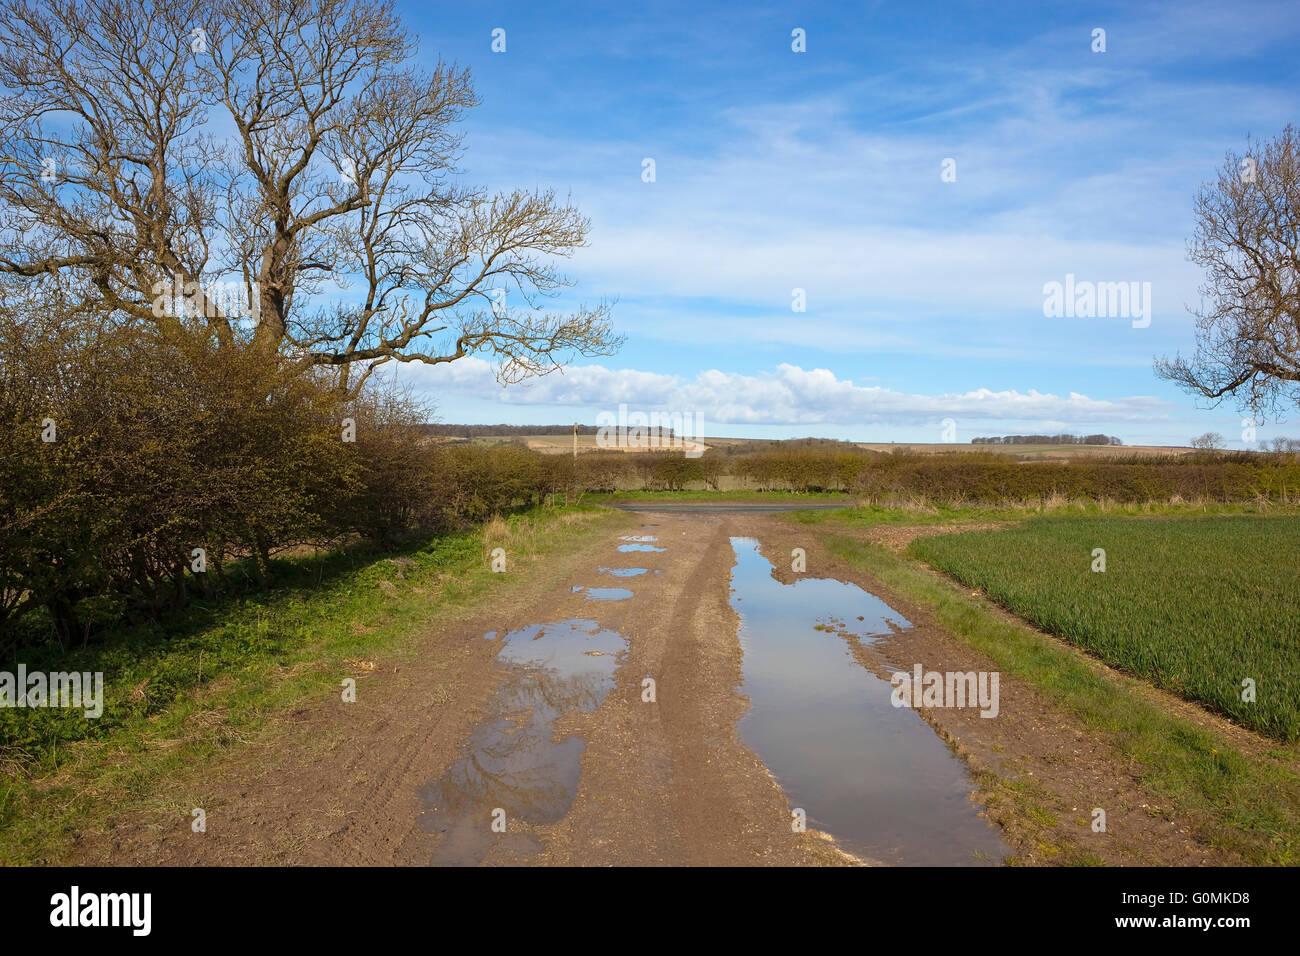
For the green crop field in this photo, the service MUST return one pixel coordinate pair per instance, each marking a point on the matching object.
(1195, 605)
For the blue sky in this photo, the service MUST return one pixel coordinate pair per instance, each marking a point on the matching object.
(821, 171)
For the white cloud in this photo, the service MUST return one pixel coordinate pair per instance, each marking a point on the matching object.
(786, 395)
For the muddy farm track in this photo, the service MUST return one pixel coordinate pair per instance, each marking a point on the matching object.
(675, 695)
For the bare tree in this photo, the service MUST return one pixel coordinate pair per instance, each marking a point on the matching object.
(1248, 241)
(1210, 441)
(156, 150)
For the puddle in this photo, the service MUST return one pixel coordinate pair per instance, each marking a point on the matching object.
(604, 594)
(875, 777)
(622, 572)
(640, 547)
(512, 759)
(637, 537)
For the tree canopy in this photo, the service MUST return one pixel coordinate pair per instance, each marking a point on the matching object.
(1248, 241)
(157, 150)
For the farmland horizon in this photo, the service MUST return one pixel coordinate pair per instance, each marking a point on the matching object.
(557, 438)
(588, 430)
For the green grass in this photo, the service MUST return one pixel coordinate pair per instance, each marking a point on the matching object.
(1245, 803)
(1194, 605)
(61, 774)
(149, 667)
(706, 494)
(939, 513)
(876, 515)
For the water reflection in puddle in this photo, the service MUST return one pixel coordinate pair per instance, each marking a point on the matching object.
(639, 547)
(637, 537)
(622, 572)
(875, 777)
(604, 594)
(512, 759)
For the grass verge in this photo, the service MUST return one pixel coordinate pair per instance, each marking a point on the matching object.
(736, 496)
(183, 692)
(925, 513)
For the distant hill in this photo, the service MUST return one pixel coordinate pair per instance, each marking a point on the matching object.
(1049, 440)
(495, 431)
(558, 439)
(513, 431)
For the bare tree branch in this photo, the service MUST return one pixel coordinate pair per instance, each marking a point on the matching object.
(154, 151)
(1248, 241)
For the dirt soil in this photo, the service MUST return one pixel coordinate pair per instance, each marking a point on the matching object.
(665, 783)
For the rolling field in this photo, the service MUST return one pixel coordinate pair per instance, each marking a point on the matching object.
(1029, 452)
(563, 445)
(1195, 605)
